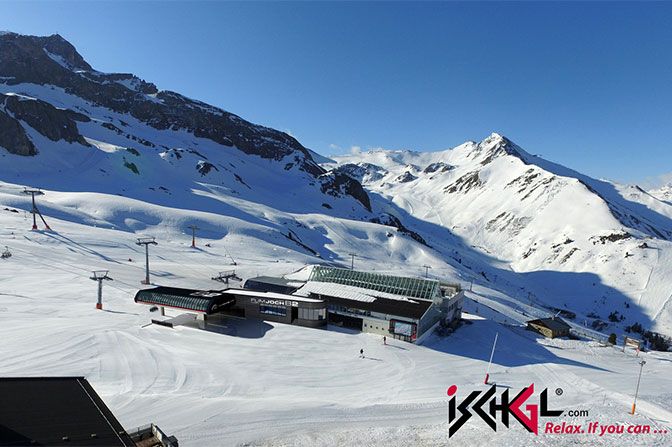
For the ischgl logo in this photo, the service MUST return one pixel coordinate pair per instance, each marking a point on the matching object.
(487, 407)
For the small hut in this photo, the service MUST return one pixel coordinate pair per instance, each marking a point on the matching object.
(549, 327)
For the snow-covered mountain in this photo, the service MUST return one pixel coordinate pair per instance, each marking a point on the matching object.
(60, 116)
(119, 159)
(663, 193)
(114, 151)
(586, 245)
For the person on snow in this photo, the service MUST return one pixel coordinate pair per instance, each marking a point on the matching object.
(361, 353)
(384, 340)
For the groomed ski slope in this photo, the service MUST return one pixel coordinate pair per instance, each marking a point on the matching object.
(255, 383)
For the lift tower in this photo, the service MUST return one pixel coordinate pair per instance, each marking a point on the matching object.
(33, 193)
(193, 229)
(100, 276)
(146, 241)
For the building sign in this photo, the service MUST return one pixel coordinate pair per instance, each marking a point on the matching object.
(631, 341)
(507, 407)
(403, 328)
(272, 302)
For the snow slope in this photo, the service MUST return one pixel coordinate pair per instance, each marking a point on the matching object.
(664, 193)
(257, 383)
(587, 245)
(531, 236)
(487, 212)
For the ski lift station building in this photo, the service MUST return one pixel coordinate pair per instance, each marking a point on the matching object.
(399, 307)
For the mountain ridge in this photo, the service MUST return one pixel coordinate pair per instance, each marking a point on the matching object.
(532, 215)
(485, 211)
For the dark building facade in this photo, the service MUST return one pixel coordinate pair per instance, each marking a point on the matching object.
(268, 306)
(271, 306)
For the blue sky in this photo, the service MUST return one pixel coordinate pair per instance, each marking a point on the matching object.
(587, 85)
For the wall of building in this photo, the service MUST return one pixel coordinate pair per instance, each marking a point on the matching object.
(286, 311)
(376, 326)
(312, 315)
(543, 330)
(429, 319)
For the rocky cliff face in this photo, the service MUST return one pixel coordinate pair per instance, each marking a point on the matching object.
(55, 124)
(48, 90)
(53, 61)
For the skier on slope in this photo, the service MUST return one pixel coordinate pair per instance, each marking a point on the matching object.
(361, 353)
(384, 340)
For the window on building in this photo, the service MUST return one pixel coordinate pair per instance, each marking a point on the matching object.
(273, 310)
(312, 314)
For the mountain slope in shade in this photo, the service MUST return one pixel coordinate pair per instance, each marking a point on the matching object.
(68, 118)
(585, 245)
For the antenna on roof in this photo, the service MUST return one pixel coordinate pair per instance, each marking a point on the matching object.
(556, 314)
(100, 276)
(427, 267)
(146, 241)
(33, 193)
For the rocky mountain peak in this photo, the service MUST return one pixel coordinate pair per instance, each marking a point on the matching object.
(54, 105)
(497, 145)
(58, 46)
(52, 60)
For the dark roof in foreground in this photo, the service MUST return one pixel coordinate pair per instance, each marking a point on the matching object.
(46, 410)
(554, 324)
(205, 301)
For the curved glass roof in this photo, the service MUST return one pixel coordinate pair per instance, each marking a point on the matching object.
(398, 285)
(187, 299)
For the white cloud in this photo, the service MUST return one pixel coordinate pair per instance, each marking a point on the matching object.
(666, 178)
(334, 147)
(355, 149)
(656, 182)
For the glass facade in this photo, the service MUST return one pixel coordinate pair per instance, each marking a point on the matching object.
(355, 311)
(397, 285)
(312, 314)
(273, 310)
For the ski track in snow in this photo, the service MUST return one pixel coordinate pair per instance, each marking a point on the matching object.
(278, 385)
(270, 384)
